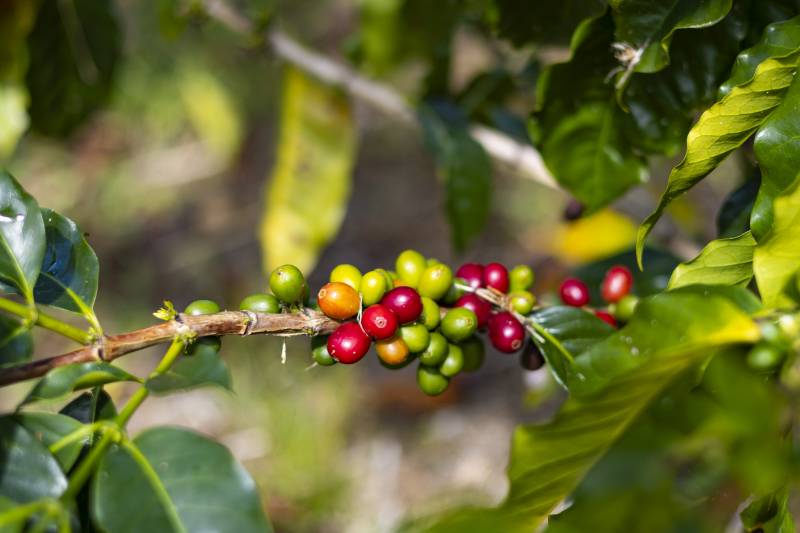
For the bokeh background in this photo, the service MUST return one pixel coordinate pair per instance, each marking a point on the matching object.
(170, 182)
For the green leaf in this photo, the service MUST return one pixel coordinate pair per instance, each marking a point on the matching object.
(90, 407)
(524, 22)
(70, 268)
(311, 181)
(548, 461)
(180, 482)
(776, 259)
(22, 239)
(74, 50)
(467, 172)
(733, 217)
(16, 342)
(769, 514)
(48, 428)
(28, 471)
(647, 25)
(569, 331)
(63, 380)
(779, 40)
(723, 128)
(721, 262)
(578, 126)
(204, 367)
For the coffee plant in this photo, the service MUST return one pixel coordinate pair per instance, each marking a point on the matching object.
(681, 380)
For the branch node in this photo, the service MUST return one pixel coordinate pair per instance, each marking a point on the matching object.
(252, 320)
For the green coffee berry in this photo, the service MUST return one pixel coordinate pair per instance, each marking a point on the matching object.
(431, 315)
(261, 303)
(458, 324)
(436, 352)
(454, 361)
(202, 307)
(416, 337)
(288, 284)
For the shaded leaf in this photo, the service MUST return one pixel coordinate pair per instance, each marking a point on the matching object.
(65, 379)
(734, 216)
(49, 428)
(22, 238)
(721, 262)
(16, 342)
(776, 259)
(181, 481)
(723, 128)
(203, 367)
(90, 407)
(660, 265)
(70, 269)
(524, 22)
(28, 471)
(310, 185)
(16, 20)
(74, 50)
(769, 514)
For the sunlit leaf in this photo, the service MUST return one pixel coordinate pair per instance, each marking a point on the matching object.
(310, 185)
(593, 237)
(721, 262)
(769, 513)
(65, 379)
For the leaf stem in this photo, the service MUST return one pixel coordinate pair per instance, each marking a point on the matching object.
(45, 321)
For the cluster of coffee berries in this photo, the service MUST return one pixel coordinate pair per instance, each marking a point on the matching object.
(422, 311)
(615, 290)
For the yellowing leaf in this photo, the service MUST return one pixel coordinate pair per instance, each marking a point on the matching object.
(311, 182)
(599, 235)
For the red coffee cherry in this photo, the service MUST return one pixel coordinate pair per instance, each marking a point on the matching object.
(574, 292)
(617, 283)
(404, 302)
(348, 344)
(606, 317)
(379, 322)
(472, 273)
(505, 332)
(495, 276)
(481, 308)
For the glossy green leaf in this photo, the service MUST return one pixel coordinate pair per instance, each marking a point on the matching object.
(721, 262)
(70, 269)
(568, 332)
(74, 50)
(723, 128)
(779, 40)
(621, 375)
(769, 514)
(733, 217)
(578, 127)
(524, 22)
(16, 342)
(180, 481)
(647, 25)
(466, 170)
(15, 23)
(204, 367)
(28, 471)
(776, 259)
(22, 238)
(48, 428)
(65, 379)
(310, 185)
(91, 406)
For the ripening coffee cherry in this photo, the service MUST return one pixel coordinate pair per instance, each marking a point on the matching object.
(347, 274)
(261, 303)
(472, 274)
(624, 309)
(431, 315)
(574, 292)
(348, 344)
(404, 302)
(453, 363)
(436, 352)
(474, 353)
(393, 351)
(459, 324)
(435, 281)
(338, 301)
(606, 317)
(431, 381)
(288, 284)
(505, 332)
(202, 307)
(616, 284)
(531, 358)
(521, 278)
(379, 322)
(765, 357)
(495, 276)
(374, 285)
(481, 308)
(416, 336)
(204, 345)
(522, 301)
(410, 265)
(319, 351)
